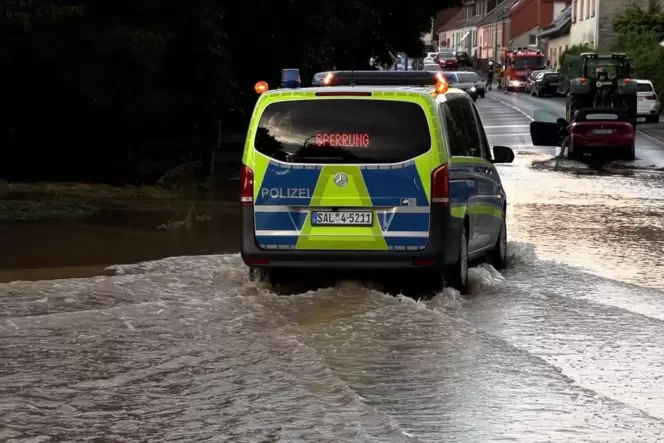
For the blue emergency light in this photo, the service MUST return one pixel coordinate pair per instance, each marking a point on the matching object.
(290, 78)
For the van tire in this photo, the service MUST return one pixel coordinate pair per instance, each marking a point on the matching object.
(271, 277)
(499, 252)
(458, 273)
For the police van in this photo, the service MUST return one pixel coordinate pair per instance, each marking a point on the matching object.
(372, 171)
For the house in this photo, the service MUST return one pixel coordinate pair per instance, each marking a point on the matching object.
(492, 25)
(555, 38)
(450, 33)
(592, 21)
(460, 33)
(529, 17)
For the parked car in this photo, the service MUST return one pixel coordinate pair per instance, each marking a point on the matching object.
(598, 133)
(431, 66)
(531, 79)
(464, 59)
(546, 83)
(648, 105)
(447, 60)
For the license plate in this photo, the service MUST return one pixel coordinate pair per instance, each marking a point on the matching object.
(641, 119)
(342, 218)
(602, 131)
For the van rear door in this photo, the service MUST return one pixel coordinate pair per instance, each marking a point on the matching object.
(343, 173)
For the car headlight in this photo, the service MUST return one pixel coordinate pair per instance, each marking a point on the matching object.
(473, 89)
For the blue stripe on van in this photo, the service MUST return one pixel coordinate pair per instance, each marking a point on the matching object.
(389, 184)
(275, 221)
(288, 184)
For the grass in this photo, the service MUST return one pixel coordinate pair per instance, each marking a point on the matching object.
(21, 210)
(88, 192)
(68, 201)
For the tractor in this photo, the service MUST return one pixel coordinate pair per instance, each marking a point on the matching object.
(604, 81)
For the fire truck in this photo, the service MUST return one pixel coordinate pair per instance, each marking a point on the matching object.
(518, 64)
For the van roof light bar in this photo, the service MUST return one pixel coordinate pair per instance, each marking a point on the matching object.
(381, 78)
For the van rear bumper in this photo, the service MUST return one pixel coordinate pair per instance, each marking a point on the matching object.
(442, 250)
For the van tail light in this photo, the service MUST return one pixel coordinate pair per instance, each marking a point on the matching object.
(440, 186)
(247, 192)
(651, 97)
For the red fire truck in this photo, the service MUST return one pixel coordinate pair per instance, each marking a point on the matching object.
(519, 64)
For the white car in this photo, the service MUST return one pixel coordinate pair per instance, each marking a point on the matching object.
(430, 66)
(648, 105)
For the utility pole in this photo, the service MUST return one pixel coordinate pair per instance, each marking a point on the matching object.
(495, 36)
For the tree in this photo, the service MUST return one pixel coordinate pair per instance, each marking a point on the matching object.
(639, 34)
(121, 90)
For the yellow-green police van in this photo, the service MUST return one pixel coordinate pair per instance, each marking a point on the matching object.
(386, 171)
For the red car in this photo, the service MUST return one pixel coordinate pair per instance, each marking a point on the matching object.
(447, 60)
(604, 133)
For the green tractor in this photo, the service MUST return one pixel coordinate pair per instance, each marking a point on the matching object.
(601, 81)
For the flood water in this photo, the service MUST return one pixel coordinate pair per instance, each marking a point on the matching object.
(78, 248)
(566, 345)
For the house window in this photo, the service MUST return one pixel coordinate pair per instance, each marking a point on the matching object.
(574, 12)
(588, 2)
(593, 4)
(532, 39)
(582, 5)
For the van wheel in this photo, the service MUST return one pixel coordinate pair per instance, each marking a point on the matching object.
(499, 253)
(271, 277)
(458, 274)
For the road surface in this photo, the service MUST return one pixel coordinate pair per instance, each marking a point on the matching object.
(567, 345)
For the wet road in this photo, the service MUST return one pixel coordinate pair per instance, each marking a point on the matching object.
(566, 346)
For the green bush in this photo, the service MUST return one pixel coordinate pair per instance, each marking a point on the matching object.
(639, 34)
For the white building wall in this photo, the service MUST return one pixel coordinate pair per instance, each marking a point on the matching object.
(556, 48)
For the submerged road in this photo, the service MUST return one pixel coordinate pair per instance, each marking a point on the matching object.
(567, 345)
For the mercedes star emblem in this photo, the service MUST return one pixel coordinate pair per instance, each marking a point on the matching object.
(341, 179)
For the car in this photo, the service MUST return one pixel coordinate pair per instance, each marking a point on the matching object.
(648, 105)
(386, 172)
(598, 133)
(531, 79)
(431, 67)
(447, 60)
(546, 83)
(464, 59)
(467, 81)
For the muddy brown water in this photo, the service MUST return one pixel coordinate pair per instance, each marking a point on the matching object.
(84, 248)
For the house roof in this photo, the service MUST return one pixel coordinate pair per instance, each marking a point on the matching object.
(502, 8)
(561, 24)
(454, 23)
(444, 16)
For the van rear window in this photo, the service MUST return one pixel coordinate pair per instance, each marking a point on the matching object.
(645, 87)
(343, 131)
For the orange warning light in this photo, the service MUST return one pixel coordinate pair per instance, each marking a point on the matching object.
(261, 87)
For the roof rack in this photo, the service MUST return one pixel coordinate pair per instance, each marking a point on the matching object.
(380, 78)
